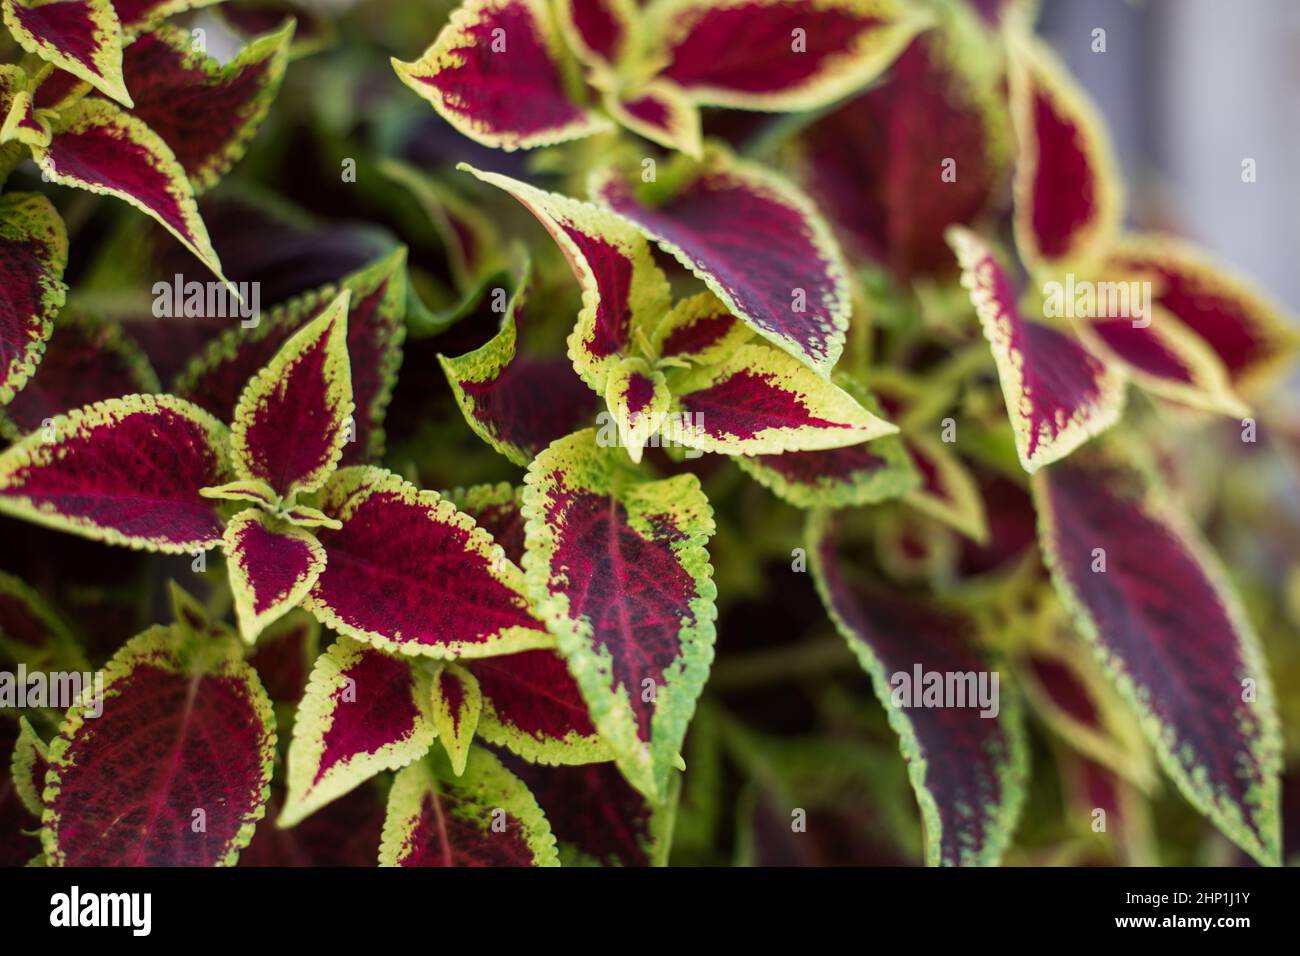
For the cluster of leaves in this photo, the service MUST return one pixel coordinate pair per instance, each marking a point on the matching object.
(774, 233)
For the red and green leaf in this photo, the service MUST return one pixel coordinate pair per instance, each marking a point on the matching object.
(127, 471)
(779, 54)
(1252, 335)
(619, 568)
(624, 293)
(755, 240)
(968, 771)
(699, 329)
(661, 111)
(638, 398)
(84, 362)
(83, 37)
(948, 491)
(271, 568)
(762, 401)
(483, 817)
(1068, 192)
(136, 14)
(291, 422)
(19, 121)
(186, 735)
(515, 402)
(100, 148)
(216, 378)
(33, 254)
(28, 766)
(205, 111)
(1058, 394)
(364, 712)
(407, 572)
(457, 704)
(862, 474)
(496, 73)
(603, 34)
(879, 173)
(534, 707)
(1171, 634)
(1165, 358)
(598, 817)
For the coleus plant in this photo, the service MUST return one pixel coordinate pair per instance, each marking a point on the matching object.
(522, 671)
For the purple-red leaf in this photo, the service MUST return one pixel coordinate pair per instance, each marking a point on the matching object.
(483, 817)
(100, 148)
(756, 241)
(126, 471)
(457, 704)
(408, 572)
(205, 111)
(84, 362)
(619, 567)
(364, 712)
(1150, 598)
(33, 253)
(495, 73)
(135, 14)
(291, 422)
(779, 54)
(966, 758)
(83, 37)
(185, 736)
(1058, 394)
(881, 175)
(533, 706)
(271, 567)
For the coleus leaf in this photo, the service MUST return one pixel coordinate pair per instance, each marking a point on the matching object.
(699, 329)
(33, 254)
(1165, 358)
(314, 31)
(58, 89)
(619, 568)
(968, 770)
(407, 572)
(28, 767)
(533, 706)
(1069, 195)
(19, 121)
(126, 471)
(661, 111)
(1058, 394)
(457, 703)
(496, 74)
(271, 566)
(598, 817)
(1171, 634)
(205, 111)
(83, 37)
(364, 712)
(754, 239)
(84, 362)
(879, 174)
(861, 474)
(601, 33)
(638, 398)
(779, 54)
(135, 14)
(186, 735)
(762, 401)
(1250, 333)
(483, 817)
(100, 148)
(516, 403)
(624, 294)
(291, 422)
(216, 378)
